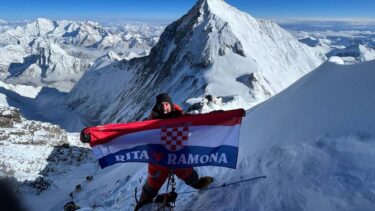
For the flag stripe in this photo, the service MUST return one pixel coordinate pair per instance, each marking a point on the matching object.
(106, 133)
(224, 156)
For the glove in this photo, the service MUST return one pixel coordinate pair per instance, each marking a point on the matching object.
(84, 138)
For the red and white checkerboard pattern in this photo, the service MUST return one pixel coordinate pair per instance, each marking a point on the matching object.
(174, 138)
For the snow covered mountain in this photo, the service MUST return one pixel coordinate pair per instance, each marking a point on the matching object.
(47, 63)
(213, 49)
(314, 141)
(354, 53)
(56, 53)
(86, 34)
(340, 42)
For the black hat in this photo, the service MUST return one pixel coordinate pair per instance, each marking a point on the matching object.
(163, 97)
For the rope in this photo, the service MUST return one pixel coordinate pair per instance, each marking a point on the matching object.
(171, 182)
(225, 184)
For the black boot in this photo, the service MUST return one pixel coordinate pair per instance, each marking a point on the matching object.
(203, 182)
(142, 201)
(148, 194)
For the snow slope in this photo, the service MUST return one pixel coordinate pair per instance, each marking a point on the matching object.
(314, 141)
(213, 49)
(334, 99)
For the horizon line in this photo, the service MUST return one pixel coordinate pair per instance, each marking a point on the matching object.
(351, 20)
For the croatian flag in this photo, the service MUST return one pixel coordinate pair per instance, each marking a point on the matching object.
(190, 140)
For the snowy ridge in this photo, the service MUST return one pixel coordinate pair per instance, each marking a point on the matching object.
(207, 51)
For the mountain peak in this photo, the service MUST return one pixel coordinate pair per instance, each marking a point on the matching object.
(43, 20)
(221, 9)
(209, 29)
(45, 23)
(214, 48)
(40, 26)
(208, 2)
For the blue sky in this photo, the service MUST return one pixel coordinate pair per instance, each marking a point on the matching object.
(172, 9)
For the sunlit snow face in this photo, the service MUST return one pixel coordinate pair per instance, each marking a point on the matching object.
(165, 108)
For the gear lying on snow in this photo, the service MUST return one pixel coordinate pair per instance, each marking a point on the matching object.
(89, 178)
(78, 188)
(71, 206)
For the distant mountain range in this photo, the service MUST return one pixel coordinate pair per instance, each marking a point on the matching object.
(56, 53)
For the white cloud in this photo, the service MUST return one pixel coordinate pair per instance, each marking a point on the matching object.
(3, 21)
